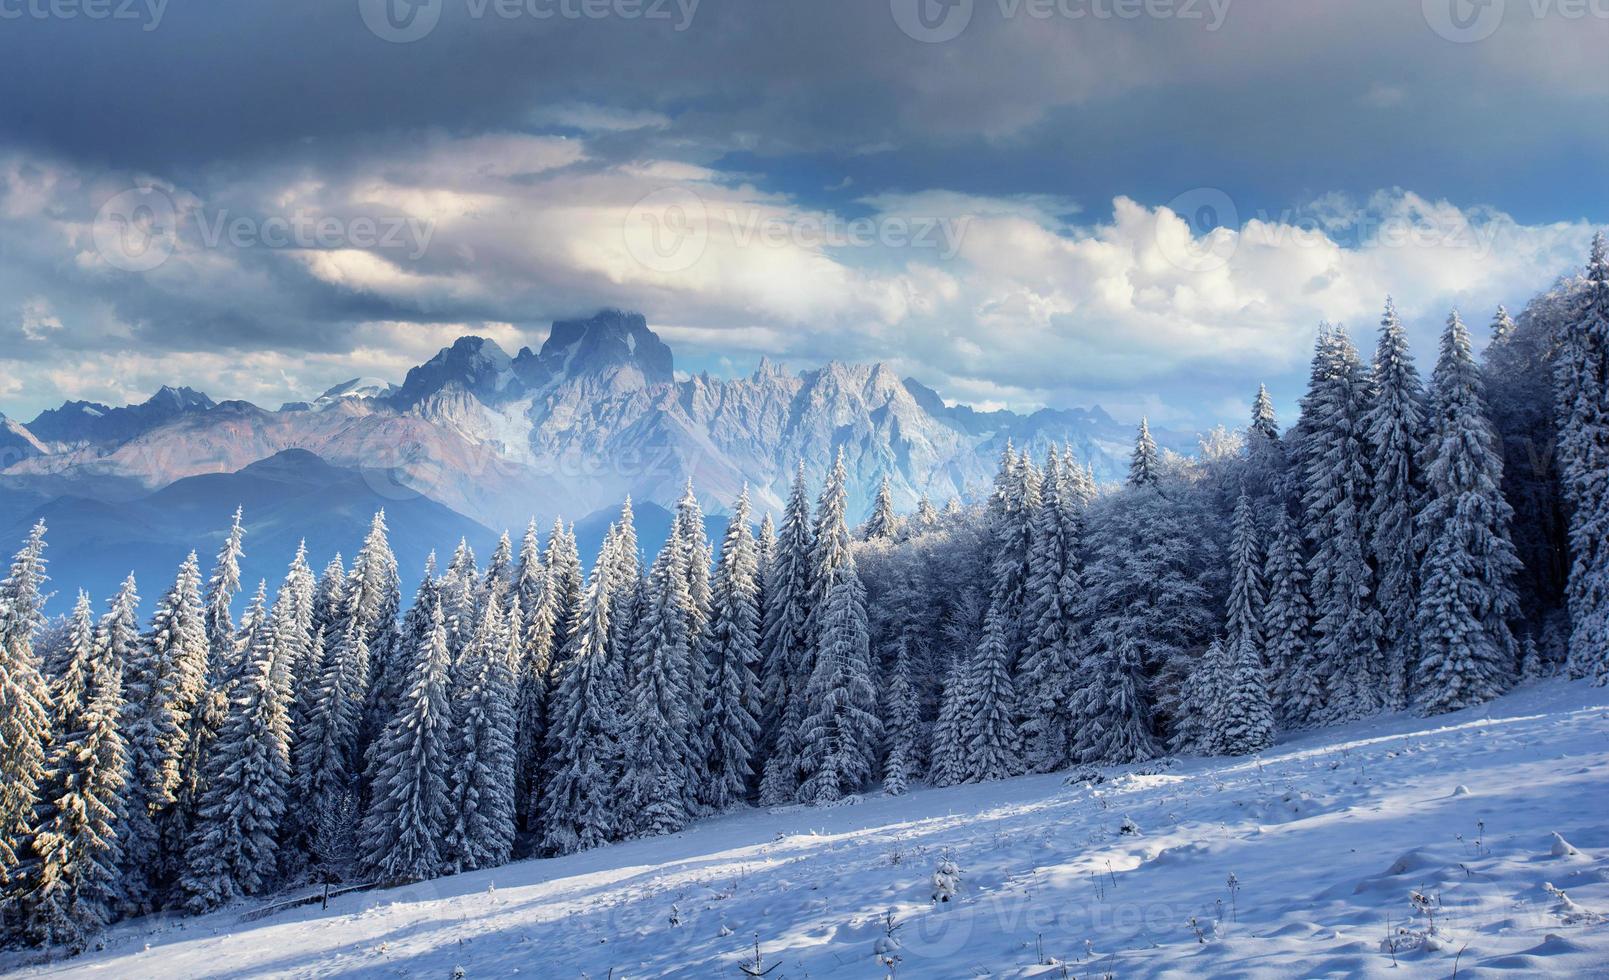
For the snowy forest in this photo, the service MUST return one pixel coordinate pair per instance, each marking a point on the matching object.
(1412, 541)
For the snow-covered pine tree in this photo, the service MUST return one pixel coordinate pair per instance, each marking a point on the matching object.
(404, 828)
(837, 746)
(220, 595)
(329, 596)
(689, 526)
(529, 577)
(927, 516)
(459, 585)
(626, 593)
(481, 794)
(655, 784)
(580, 807)
(499, 573)
(839, 729)
(765, 549)
(1050, 663)
(1145, 466)
(326, 751)
(1469, 652)
(1244, 719)
(533, 683)
(1581, 389)
(234, 845)
(1266, 470)
(1395, 425)
(117, 635)
(728, 726)
(164, 682)
(24, 707)
(76, 879)
(790, 587)
(567, 580)
(1298, 693)
(947, 764)
(1336, 490)
(1196, 730)
(883, 524)
(901, 725)
(994, 745)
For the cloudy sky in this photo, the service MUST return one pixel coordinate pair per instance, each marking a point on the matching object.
(1147, 204)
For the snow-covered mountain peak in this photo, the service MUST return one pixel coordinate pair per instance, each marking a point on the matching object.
(605, 344)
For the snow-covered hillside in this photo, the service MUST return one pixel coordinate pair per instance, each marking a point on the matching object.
(1433, 836)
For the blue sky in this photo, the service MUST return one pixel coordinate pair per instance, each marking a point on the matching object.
(1149, 204)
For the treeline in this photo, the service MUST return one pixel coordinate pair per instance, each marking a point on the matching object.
(1400, 546)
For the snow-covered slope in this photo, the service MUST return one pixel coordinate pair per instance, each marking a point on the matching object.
(1329, 838)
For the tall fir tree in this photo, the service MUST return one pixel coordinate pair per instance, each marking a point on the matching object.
(902, 723)
(994, 744)
(1336, 491)
(1050, 664)
(1145, 465)
(234, 847)
(406, 824)
(1468, 600)
(24, 705)
(655, 783)
(1244, 718)
(1581, 388)
(729, 729)
(787, 653)
(327, 749)
(689, 527)
(481, 798)
(947, 764)
(1298, 693)
(533, 682)
(883, 524)
(1395, 426)
(567, 580)
(76, 881)
(580, 808)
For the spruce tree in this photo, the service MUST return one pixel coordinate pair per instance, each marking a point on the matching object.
(1336, 491)
(1581, 389)
(948, 756)
(327, 750)
(1197, 729)
(729, 727)
(1244, 713)
(1050, 664)
(24, 703)
(994, 745)
(1145, 465)
(234, 846)
(1287, 621)
(567, 580)
(883, 524)
(655, 785)
(579, 802)
(689, 527)
(900, 766)
(76, 878)
(787, 648)
(533, 681)
(481, 797)
(841, 729)
(407, 821)
(1395, 426)
(1469, 652)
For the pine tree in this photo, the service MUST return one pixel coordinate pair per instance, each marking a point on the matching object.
(234, 850)
(1287, 620)
(482, 792)
(901, 726)
(655, 784)
(499, 573)
(533, 681)
(1581, 389)
(927, 516)
(1469, 653)
(407, 820)
(841, 729)
(579, 802)
(948, 758)
(1336, 493)
(1197, 729)
(76, 880)
(327, 751)
(729, 727)
(529, 577)
(790, 586)
(223, 663)
(329, 596)
(883, 524)
(1244, 720)
(24, 703)
(1145, 466)
(458, 597)
(1395, 425)
(689, 527)
(117, 635)
(994, 745)
(1050, 664)
(566, 579)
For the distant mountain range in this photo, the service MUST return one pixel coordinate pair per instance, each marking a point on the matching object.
(493, 440)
